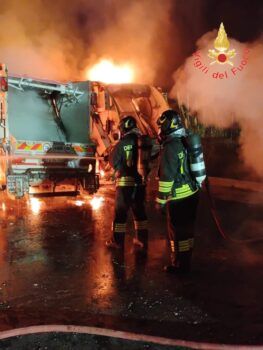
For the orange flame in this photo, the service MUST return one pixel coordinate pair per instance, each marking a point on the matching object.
(107, 72)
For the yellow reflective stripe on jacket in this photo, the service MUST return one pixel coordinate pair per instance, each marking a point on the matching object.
(181, 157)
(183, 189)
(161, 201)
(182, 193)
(166, 183)
(165, 186)
(125, 181)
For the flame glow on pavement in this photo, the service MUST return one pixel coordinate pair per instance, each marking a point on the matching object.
(107, 72)
(35, 205)
(96, 202)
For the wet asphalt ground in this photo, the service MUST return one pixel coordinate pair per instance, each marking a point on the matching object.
(55, 269)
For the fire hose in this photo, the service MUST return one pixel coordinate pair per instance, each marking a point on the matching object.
(217, 222)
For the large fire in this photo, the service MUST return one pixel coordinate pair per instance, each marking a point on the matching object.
(107, 72)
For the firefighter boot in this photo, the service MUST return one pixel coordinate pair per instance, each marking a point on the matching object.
(173, 267)
(185, 262)
(141, 241)
(182, 267)
(181, 257)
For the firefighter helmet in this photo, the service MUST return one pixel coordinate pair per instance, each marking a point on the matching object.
(127, 124)
(169, 121)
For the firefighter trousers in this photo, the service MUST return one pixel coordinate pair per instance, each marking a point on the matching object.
(181, 215)
(130, 197)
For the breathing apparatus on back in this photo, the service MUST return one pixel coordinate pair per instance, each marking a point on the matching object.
(171, 126)
(196, 158)
(127, 126)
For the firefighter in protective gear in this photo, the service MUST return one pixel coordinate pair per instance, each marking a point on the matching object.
(130, 187)
(178, 191)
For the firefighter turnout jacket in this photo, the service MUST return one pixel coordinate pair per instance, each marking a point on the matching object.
(124, 157)
(175, 180)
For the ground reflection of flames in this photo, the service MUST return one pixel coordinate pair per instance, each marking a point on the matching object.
(96, 202)
(35, 205)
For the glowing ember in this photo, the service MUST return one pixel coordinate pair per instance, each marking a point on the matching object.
(102, 173)
(3, 207)
(96, 202)
(35, 205)
(107, 72)
(79, 203)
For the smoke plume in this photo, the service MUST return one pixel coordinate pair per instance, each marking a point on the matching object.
(223, 94)
(60, 40)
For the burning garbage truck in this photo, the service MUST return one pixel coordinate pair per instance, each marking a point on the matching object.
(53, 135)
